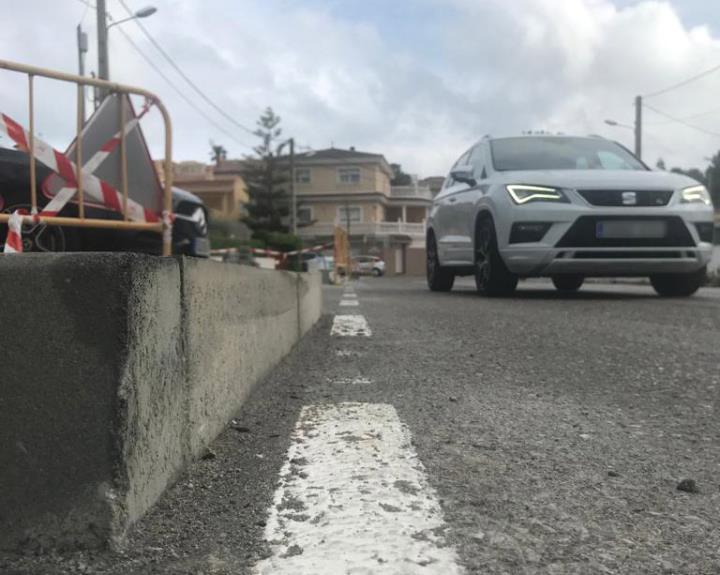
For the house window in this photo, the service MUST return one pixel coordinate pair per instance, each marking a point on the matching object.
(302, 175)
(349, 175)
(305, 215)
(353, 214)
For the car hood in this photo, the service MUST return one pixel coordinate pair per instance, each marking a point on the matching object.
(180, 195)
(600, 179)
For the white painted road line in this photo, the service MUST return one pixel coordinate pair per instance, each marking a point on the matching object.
(357, 380)
(349, 303)
(350, 325)
(349, 353)
(353, 498)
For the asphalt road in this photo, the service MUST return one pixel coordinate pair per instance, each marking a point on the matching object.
(548, 434)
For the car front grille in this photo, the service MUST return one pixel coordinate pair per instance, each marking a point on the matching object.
(627, 198)
(582, 234)
(627, 255)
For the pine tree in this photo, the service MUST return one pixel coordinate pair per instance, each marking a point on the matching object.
(266, 178)
(218, 154)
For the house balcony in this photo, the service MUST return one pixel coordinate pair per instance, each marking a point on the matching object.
(414, 231)
(411, 193)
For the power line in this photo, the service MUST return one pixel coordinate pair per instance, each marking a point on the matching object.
(185, 77)
(164, 76)
(684, 82)
(180, 93)
(681, 121)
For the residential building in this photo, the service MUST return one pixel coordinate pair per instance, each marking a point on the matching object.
(224, 192)
(435, 183)
(352, 189)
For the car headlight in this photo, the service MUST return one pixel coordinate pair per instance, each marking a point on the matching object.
(523, 194)
(198, 216)
(695, 195)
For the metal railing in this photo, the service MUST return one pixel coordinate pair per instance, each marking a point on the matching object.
(411, 192)
(366, 229)
(163, 225)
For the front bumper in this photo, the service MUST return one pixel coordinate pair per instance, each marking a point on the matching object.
(569, 245)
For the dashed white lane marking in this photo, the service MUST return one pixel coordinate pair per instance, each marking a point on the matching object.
(349, 353)
(349, 303)
(353, 498)
(358, 380)
(350, 325)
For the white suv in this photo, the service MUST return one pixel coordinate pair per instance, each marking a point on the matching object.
(566, 207)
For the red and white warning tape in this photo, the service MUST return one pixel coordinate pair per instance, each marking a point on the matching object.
(13, 242)
(109, 147)
(268, 253)
(317, 248)
(96, 188)
(284, 255)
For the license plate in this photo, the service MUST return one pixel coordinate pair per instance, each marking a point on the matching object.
(201, 247)
(617, 229)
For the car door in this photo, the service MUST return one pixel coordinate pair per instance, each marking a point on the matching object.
(448, 229)
(465, 207)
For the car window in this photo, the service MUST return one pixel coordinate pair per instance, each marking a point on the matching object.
(463, 160)
(561, 153)
(611, 161)
(477, 161)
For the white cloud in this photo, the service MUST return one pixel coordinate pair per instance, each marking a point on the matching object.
(420, 94)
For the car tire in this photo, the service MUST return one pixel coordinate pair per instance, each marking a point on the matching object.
(678, 285)
(492, 277)
(376, 272)
(438, 277)
(568, 282)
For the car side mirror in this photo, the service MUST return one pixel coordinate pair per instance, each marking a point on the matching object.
(464, 173)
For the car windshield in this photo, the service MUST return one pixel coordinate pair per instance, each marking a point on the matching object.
(561, 153)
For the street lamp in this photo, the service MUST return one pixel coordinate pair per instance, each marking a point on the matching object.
(618, 124)
(637, 128)
(103, 27)
(142, 13)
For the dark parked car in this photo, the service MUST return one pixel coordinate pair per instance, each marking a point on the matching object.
(190, 231)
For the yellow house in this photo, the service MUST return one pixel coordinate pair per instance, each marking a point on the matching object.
(353, 189)
(224, 193)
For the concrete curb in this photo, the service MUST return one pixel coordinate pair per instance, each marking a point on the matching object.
(118, 370)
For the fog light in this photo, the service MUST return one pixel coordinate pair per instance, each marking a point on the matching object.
(705, 230)
(524, 232)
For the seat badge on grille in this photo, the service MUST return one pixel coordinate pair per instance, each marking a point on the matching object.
(629, 199)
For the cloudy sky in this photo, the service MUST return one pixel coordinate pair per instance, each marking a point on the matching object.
(416, 80)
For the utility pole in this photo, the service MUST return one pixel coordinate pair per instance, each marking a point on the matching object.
(292, 187)
(82, 44)
(349, 246)
(638, 127)
(102, 32)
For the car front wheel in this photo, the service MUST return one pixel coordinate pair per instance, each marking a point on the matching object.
(438, 278)
(568, 282)
(492, 278)
(678, 285)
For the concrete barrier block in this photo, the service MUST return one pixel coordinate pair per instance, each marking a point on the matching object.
(118, 369)
(65, 342)
(153, 391)
(310, 298)
(240, 322)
